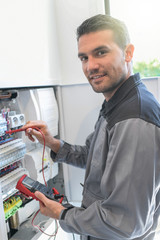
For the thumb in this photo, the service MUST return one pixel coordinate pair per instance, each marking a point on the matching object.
(41, 197)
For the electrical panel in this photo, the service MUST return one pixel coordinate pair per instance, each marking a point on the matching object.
(12, 152)
(19, 156)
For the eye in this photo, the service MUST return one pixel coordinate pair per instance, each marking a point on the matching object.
(101, 53)
(83, 58)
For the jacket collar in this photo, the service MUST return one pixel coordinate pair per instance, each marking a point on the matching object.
(120, 94)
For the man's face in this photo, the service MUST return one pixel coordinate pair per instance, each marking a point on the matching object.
(103, 62)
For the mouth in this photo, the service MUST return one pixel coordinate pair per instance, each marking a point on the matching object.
(97, 77)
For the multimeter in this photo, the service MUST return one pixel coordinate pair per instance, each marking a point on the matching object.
(27, 186)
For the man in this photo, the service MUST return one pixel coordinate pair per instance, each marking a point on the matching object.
(121, 195)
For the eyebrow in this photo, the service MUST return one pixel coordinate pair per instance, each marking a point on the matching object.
(94, 50)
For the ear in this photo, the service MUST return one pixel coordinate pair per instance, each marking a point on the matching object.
(129, 52)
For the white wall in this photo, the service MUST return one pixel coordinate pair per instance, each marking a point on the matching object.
(28, 35)
(69, 15)
(153, 85)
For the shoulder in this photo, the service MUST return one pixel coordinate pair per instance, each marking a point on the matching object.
(148, 105)
(139, 103)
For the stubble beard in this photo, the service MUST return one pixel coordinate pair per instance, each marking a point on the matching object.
(109, 89)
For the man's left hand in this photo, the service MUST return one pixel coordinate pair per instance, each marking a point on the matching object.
(49, 207)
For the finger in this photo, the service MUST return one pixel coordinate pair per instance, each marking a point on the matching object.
(41, 197)
(28, 125)
(31, 138)
(35, 132)
(28, 131)
(31, 124)
(29, 135)
(31, 131)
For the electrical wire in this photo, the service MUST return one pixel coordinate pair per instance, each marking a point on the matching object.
(73, 236)
(44, 144)
(36, 226)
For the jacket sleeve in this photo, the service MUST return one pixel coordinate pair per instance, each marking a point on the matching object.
(75, 155)
(129, 186)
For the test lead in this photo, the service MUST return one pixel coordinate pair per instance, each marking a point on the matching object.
(15, 130)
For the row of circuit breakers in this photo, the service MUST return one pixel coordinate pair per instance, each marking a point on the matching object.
(12, 151)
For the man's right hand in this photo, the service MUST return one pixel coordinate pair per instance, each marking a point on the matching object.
(50, 141)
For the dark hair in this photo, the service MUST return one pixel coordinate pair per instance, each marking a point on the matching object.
(104, 22)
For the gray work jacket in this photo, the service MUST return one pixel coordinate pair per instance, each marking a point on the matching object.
(121, 196)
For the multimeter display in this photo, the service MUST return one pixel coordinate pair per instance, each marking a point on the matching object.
(28, 187)
(28, 182)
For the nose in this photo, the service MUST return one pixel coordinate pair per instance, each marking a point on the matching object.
(92, 64)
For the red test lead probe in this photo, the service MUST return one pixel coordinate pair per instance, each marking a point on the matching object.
(14, 131)
(21, 129)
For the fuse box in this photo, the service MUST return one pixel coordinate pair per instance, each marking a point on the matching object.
(12, 152)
